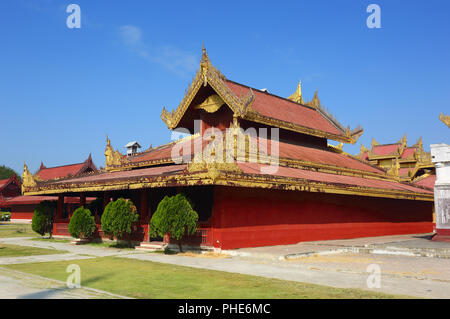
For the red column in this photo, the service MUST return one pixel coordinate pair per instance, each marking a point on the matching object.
(106, 199)
(144, 204)
(60, 207)
(83, 199)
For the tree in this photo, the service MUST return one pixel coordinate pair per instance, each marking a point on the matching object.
(42, 222)
(6, 172)
(82, 224)
(174, 216)
(118, 218)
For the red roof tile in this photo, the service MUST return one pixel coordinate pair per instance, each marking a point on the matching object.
(3, 182)
(253, 168)
(320, 156)
(103, 177)
(26, 200)
(428, 181)
(408, 152)
(285, 110)
(286, 150)
(387, 149)
(404, 171)
(59, 171)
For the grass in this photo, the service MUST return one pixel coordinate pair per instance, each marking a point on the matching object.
(145, 279)
(7, 250)
(15, 230)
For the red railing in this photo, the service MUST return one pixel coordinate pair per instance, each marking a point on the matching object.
(202, 237)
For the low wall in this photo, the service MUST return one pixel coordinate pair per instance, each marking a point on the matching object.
(257, 217)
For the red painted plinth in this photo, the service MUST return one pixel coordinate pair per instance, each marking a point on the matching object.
(442, 235)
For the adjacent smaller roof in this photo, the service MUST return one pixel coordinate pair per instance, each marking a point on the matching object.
(63, 171)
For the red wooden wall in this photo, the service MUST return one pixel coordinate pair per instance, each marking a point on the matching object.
(256, 217)
(23, 211)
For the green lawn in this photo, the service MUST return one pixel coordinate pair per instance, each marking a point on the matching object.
(7, 250)
(144, 279)
(15, 230)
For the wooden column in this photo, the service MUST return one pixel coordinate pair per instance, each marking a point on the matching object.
(83, 199)
(144, 204)
(106, 198)
(60, 207)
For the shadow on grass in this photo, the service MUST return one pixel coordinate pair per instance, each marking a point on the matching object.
(47, 294)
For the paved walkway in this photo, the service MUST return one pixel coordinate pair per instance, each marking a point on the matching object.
(330, 263)
(18, 285)
(324, 274)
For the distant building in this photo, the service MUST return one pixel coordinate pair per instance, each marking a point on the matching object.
(405, 163)
(22, 207)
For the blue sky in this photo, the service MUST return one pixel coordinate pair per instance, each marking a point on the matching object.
(62, 90)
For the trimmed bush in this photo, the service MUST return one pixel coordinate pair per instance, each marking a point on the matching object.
(82, 224)
(42, 222)
(118, 218)
(5, 216)
(174, 216)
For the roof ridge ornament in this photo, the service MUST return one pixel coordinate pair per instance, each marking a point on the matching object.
(445, 119)
(394, 170)
(27, 178)
(113, 157)
(297, 95)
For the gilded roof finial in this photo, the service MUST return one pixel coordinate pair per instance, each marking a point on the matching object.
(297, 96)
(445, 119)
(27, 178)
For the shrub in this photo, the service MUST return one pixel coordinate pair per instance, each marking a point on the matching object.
(42, 221)
(174, 216)
(118, 218)
(82, 224)
(5, 216)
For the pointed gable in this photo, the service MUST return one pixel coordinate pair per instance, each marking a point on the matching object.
(63, 171)
(210, 89)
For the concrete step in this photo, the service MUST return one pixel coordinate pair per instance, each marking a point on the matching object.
(151, 246)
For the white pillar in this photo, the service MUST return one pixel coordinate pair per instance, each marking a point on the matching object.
(440, 155)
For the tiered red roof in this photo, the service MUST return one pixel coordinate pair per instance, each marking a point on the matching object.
(275, 107)
(386, 149)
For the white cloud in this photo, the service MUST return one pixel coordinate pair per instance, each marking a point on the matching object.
(170, 57)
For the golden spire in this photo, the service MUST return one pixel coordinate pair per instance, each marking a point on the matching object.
(27, 178)
(445, 119)
(113, 158)
(403, 140)
(297, 96)
(374, 143)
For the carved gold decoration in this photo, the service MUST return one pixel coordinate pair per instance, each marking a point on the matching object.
(445, 119)
(113, 158)
(297, 96)
(315, 102)
(211, 104)
(27, 178)
(394, 170)
(241, 105)
(208, 75)
(362, 150)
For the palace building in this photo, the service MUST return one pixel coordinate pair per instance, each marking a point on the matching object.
(22, 207)
(258, 170)
(403, 162)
